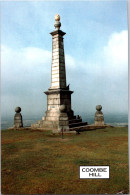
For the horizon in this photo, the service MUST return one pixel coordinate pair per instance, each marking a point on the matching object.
(96, 55)
(112, 119)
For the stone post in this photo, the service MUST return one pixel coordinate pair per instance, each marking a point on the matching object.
(63, 119)
(99, 118)
(18, 122)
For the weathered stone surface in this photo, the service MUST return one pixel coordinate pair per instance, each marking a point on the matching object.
(63, 108)
(99, 118)
(98, 107)
(18, 109)
(58, 61)
(18, 122)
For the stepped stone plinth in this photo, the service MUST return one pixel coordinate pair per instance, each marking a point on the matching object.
(99, 118)
(59, 115)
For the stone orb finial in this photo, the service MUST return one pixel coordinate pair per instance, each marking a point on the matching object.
(57, 24)
(18, 109)
(63, 108)
(57, 17)
(98, 107)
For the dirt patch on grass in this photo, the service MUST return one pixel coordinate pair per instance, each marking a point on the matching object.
(11, 141)
(59, 139)
(6, 171)
(18, 139)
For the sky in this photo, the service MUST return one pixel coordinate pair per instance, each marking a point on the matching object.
(96, 54)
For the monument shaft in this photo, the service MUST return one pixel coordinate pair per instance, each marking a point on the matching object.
(58, 73)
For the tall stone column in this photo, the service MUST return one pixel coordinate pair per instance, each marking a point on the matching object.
(58, 73)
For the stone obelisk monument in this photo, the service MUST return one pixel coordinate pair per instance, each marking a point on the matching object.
(58, 74)
(59, 115)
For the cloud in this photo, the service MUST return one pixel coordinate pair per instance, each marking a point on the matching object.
(24, 63)
(70, 61)
(117, 48)
(116, 53)
(116, 70)
(26, 73)
(101, 79)
(27, 63)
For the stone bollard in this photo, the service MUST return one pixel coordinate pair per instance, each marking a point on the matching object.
(99, 118)
(63, 119)
(18, 122)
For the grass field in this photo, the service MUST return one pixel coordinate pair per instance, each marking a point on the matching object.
(35, 162)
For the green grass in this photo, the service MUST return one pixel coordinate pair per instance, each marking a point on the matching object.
(35, 162)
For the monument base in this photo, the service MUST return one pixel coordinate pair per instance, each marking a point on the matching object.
(59, 115)
(60, 122)
(59, 126)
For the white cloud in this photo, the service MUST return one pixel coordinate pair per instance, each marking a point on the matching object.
(113, 58)
(29, 61)
(116, 52)
(117, 47)
(25, 75)
(102, 80)
(70, 61)
(19, 64)
(36, 56)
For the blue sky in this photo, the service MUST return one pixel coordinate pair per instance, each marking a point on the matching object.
(96, 54)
